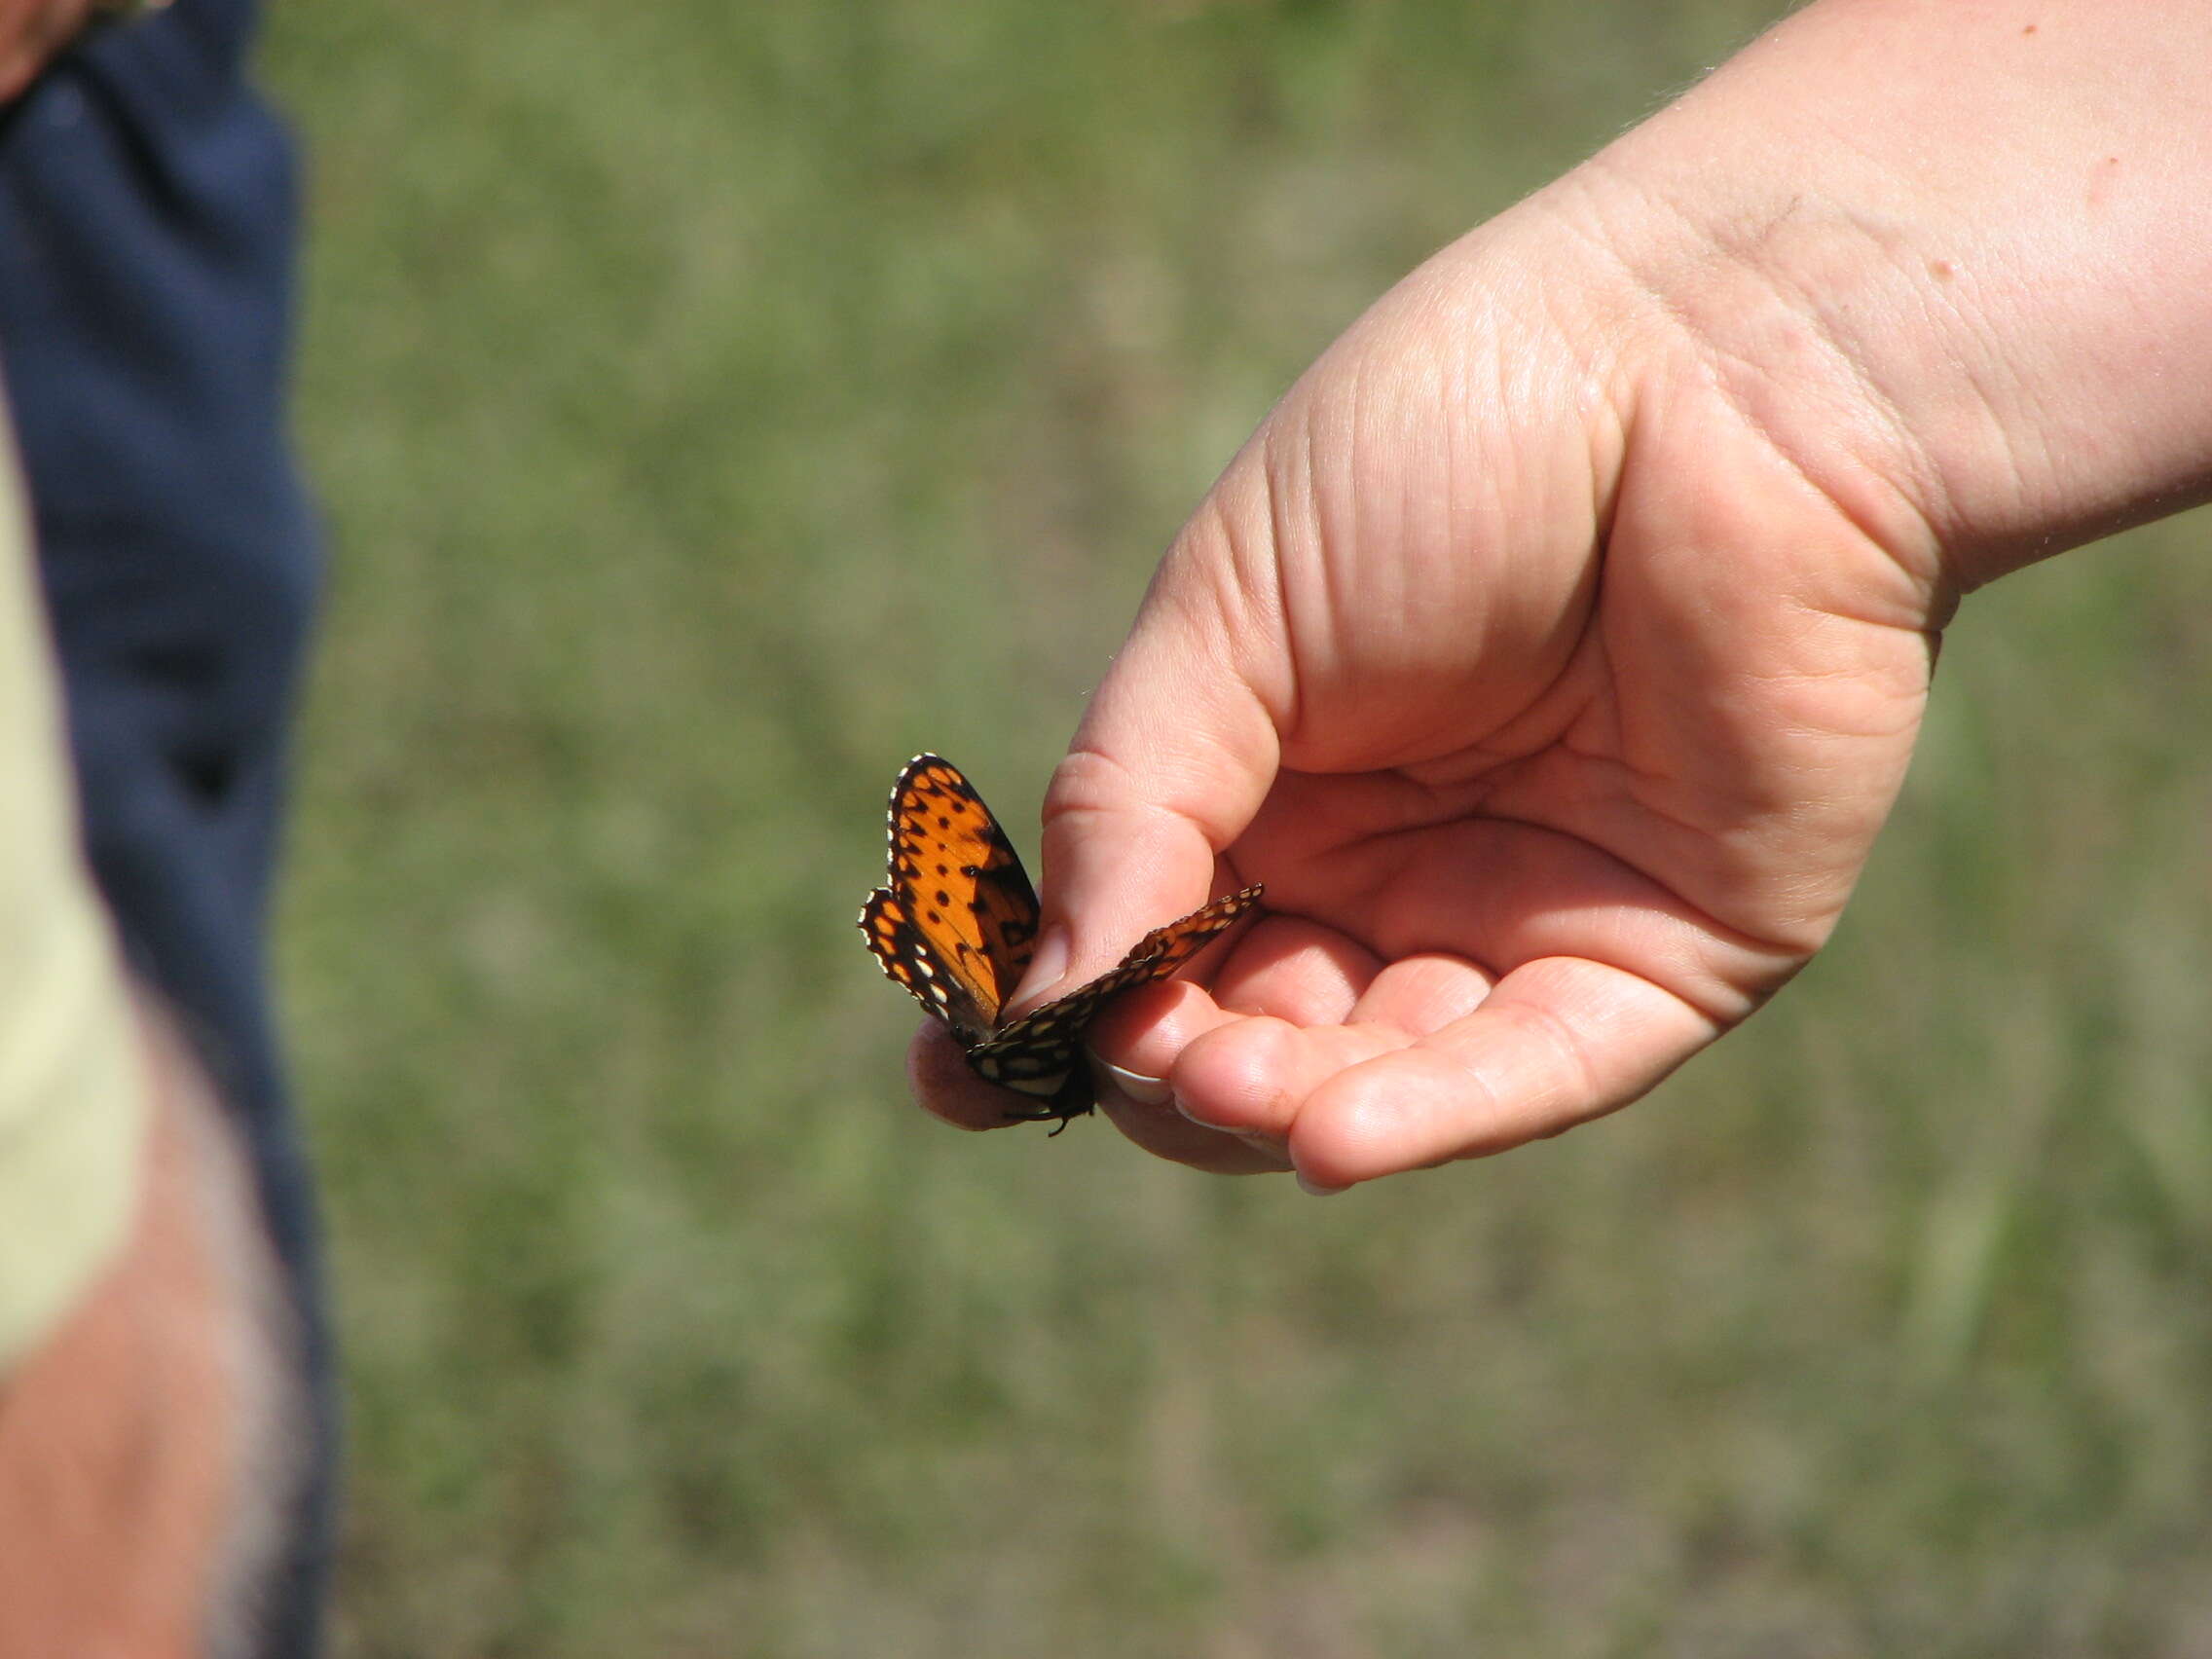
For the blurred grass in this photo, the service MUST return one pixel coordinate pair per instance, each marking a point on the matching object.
(716, 404)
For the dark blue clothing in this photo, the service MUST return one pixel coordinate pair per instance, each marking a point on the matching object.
(147, 223)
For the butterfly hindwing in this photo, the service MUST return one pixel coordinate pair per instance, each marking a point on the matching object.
(1036, 1053)
(940, 983)
(956, 924)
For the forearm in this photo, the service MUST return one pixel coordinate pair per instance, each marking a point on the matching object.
(1953, 259)
(145, 1445)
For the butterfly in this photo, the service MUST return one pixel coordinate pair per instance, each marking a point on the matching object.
(956, 923)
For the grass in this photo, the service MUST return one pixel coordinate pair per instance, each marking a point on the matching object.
(714, 405)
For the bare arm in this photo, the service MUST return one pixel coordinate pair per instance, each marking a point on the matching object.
(1555, 649)
(1952, 259)
(140, 1443)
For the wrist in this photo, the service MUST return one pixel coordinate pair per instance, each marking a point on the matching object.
(1966, 306)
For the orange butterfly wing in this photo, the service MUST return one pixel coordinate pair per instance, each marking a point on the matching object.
(956, 924)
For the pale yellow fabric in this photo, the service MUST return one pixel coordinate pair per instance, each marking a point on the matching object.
(73, 1094)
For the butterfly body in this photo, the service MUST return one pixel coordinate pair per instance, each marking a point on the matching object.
(956, 924)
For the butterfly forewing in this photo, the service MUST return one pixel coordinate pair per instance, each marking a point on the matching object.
(957, 923)
(954, 866)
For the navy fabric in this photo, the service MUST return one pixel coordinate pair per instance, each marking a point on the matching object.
(147, 223)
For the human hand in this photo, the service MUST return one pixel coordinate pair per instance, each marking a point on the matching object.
(1558, 719)
(1556, 648)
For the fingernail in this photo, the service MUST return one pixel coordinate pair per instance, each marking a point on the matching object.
(1259, 1140)
(1267, 1146)
(1314, 1187)
(1143, 1090)
(1177, 1103)
(1050, 962)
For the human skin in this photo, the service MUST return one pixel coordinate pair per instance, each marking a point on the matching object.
(32, 31)
(120, 1434)
(1555, 649)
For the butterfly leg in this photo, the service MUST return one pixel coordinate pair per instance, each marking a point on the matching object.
(1075, 1098)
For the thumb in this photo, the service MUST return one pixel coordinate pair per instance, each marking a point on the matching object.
(1172, 761)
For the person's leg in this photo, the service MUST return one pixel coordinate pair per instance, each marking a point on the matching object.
(147, 225)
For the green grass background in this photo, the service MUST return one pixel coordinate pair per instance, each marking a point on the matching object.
(714, 403)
